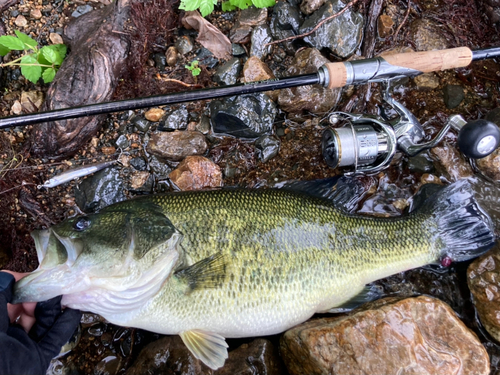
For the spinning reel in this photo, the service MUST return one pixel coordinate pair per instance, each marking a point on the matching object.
(367, 144)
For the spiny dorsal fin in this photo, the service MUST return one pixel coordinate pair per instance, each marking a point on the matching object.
(207, 273)
(208, 347)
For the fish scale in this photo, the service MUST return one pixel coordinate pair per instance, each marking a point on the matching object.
(231, 263)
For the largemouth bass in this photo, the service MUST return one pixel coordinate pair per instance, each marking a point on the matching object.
(219, 264)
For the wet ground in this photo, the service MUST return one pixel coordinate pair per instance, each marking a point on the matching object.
(106, 349)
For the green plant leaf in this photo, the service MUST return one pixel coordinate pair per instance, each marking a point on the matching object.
(196, 72)
(227, 6)
(28, 41)
(31, 72)
(48, 75)
(242, 4)
(207, 7)
(50, 54)
(61, 49)
(4, 50)
(264, 3)
(12, 43)
(190, 4)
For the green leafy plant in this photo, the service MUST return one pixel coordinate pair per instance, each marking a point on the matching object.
(37, 62)
(193, 67)
(207, 6)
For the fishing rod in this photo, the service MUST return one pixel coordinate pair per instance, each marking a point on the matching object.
(330, 75)
(367, 149)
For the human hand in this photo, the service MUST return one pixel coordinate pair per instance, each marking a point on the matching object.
(49, 329)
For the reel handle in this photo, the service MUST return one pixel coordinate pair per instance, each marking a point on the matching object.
(407, 64)
(478, 139)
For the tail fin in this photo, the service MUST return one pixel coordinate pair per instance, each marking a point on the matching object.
(465, 229)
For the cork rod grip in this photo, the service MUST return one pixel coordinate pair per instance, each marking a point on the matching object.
(427, 61)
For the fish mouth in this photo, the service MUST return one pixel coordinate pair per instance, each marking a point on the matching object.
(53, 276)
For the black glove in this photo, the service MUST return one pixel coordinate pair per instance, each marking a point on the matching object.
(22, 353)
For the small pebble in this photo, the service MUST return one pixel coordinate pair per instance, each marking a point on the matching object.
(108, 150)
(35, 14)
(154, 114)
(56, 38)
(21, 21)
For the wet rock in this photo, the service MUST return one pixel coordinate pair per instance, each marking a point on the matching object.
(268, 147)
(154, 114)
(426, 35)
(55, 38)
(483, 278)
(177, 120)
(167, 355)
(240, 34)
(196, 172)
(108, 365)
(35, 14)
(159, 168)
(237, 50)
(81, 10)
(177, 145)
(141, 181)
(21, 21)
(287, 16)
(451, 162)
(389, 200)
(184, 44)
(207, 58)
(261, 35)
(342, 35)
(258, 357)
(228, 73)
(308, 98)
(421, 163)
(253, 17)
(244, 116)
(160, 61)
(385, 24)
(138, 163)
(140, 123)
(172, 56)
(257, 70)
(426, 81)
(453, 95)
(309, 6)
(122, 142)
(203, 126)
(389, 336)
(100, 190)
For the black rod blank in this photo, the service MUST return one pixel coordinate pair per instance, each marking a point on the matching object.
(152, 101)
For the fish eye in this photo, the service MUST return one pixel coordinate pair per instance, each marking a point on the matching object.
(82, 223)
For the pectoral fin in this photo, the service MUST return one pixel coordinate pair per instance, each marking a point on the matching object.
(207, 273)
(368, 293)
(208, 347)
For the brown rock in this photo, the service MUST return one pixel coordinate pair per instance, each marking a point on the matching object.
(138, 179)
(309, 6)
(154, 114)
(172, 56)
(427, 35)
(490, 165)
(21, 21)
(391, 336)
(17, 108)
(483, 278)
(253, 17)
(55, 38)
(308, 98)
(108, 150)
(196, 172)
(240, 34)
(167, 355)
(384, 25)
(427, 81)
(177, 145)
(257, 70)
(35, 14)
(258, 357)
(451, 162)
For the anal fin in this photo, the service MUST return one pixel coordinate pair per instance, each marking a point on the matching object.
(368, 294)
(208, 347)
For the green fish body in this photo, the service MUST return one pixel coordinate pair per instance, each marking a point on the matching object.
(238, 263)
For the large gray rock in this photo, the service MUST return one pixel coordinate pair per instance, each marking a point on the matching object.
(100, 190)
(342, 35)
